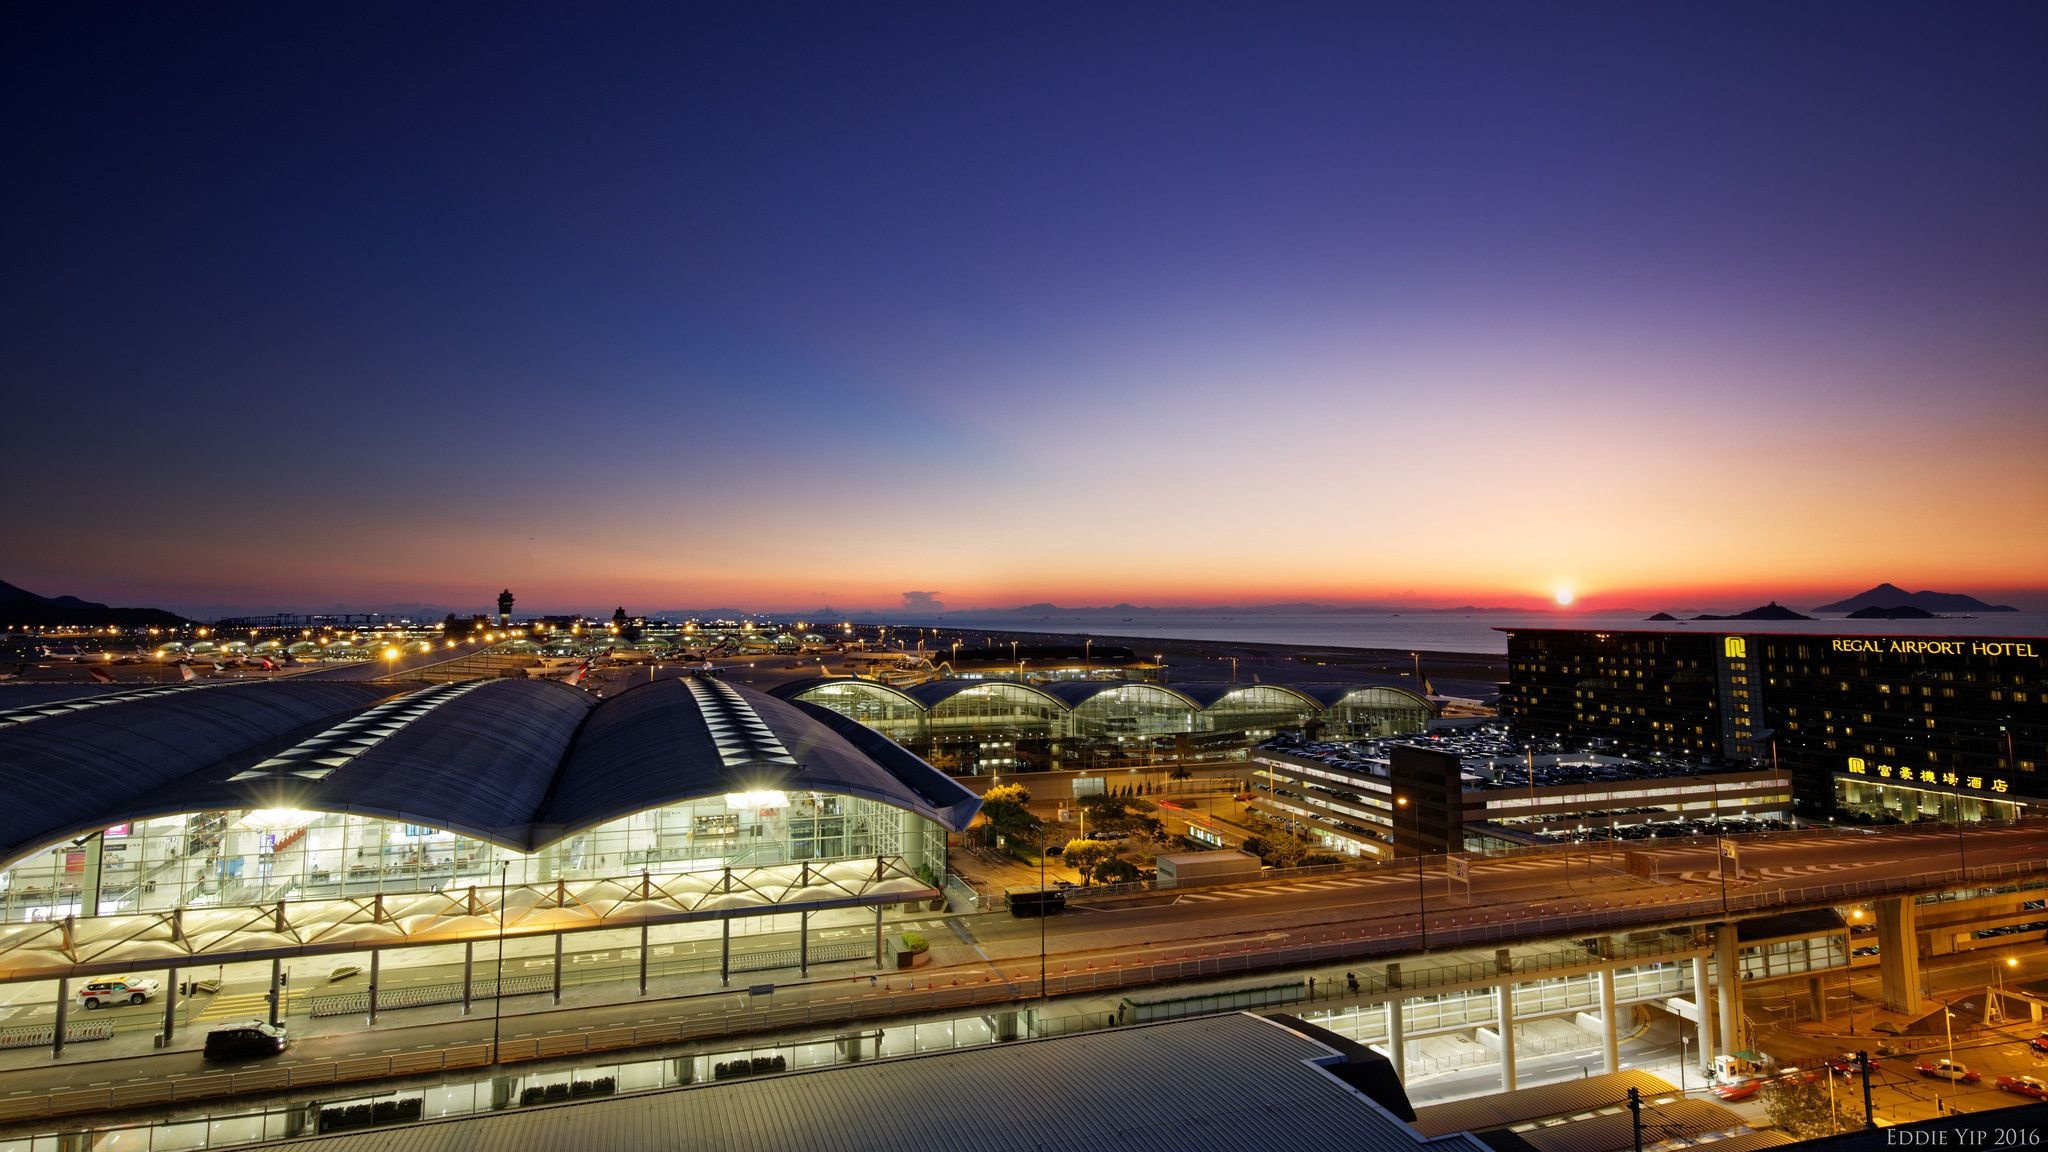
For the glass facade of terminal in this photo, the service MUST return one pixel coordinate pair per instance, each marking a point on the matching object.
(261, 856)
(1370, 712)
(1003, 726)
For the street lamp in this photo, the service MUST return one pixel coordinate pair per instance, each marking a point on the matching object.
(498, 981)
(1042, 845)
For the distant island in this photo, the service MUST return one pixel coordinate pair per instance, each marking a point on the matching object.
(1933, 603)
(1663, 616)
(1771, 611)
(22, 608)
(1902, 612)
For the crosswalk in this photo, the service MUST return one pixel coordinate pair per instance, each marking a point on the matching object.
(1362, 880)
(242, 1005)
(1295, 888)
(1752, 875)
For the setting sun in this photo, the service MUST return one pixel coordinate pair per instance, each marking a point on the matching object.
(1564, 596)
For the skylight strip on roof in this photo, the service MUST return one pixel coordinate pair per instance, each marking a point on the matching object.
(351, 738)
(737, 731)
(28, 712)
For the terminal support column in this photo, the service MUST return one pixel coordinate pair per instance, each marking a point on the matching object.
(1898, 953)
(558, 968)
(276, 990)
(1703, 1010)
(376, 966)
(170, 1005)
(725, 952)
(1504, 1018)
(803, 943)
(878, 935)
(89, 886)
(1397, 1042)
(468, 971)
(63, 1008)
(1727, 961)
(1610, 1044)
(643, 958)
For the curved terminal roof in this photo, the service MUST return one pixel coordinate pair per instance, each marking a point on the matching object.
(933, 693)
(701, 736)
(1331, 695)
(125, 757)
(1073, 694)
(1208, 693)
(1078, 692)
(516, 762)
(795, 689)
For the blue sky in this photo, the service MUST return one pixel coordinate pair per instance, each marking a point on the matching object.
(753, 303)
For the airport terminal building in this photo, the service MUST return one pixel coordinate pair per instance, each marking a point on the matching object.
(972, 726)
(220, 823)
(1915, 727)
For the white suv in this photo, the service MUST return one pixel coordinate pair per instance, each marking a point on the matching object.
(129, 991)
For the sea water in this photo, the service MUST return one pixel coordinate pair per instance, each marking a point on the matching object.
(1480, 632)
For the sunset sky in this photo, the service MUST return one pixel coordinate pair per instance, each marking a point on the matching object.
(779, 305)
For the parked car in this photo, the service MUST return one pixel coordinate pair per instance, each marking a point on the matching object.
(2022, 1085)
(2039, 1043)
(244, 1039)
(132, 990)
(1946, 1069)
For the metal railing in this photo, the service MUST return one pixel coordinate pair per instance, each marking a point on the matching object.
(943, 994)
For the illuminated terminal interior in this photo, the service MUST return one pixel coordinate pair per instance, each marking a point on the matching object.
(251, 793)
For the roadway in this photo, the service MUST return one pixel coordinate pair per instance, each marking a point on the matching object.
(1356, 915)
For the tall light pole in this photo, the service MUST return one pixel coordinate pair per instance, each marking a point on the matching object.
(1948, 1031)
(1042, 844)
(498, 981)
(1421, 887)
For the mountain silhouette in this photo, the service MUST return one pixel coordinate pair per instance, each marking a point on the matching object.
(1892, 596)
(19, 607)
(1771, 611)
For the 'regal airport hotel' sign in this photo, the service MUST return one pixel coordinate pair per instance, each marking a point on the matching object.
(1904, 646)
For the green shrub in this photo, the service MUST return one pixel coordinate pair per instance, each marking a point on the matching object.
(915, 942)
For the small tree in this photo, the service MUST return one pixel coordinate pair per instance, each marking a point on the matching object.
(1004, 806)
(1084, 855)
(1116, 870)
(1802, 1107)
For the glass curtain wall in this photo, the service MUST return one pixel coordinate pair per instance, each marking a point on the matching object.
(877, 706)
(1258, 711)
(1375, 712)
(255, 856)
(994, 727)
